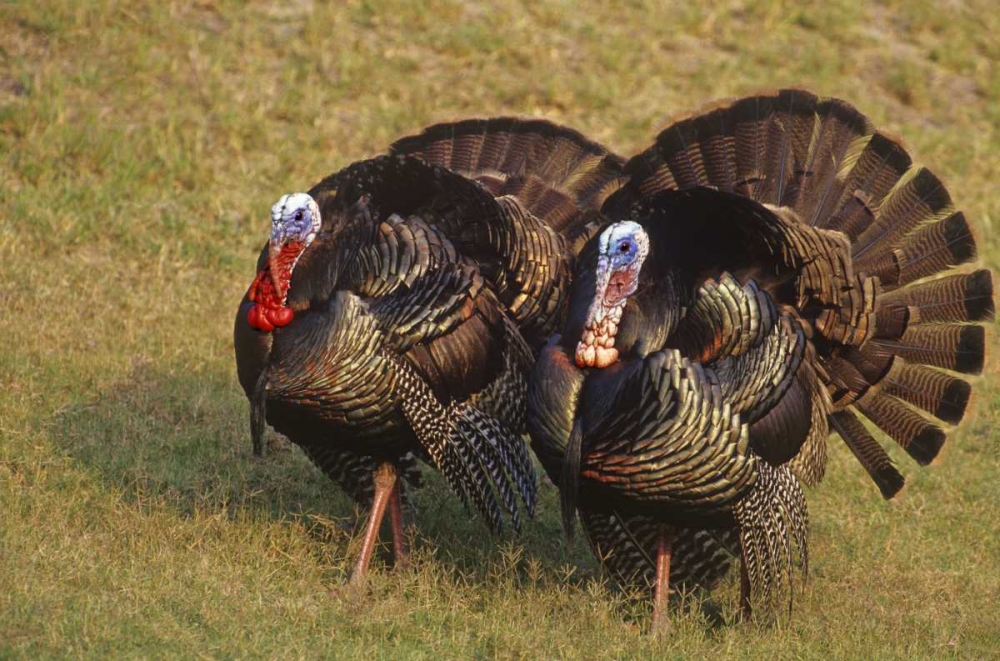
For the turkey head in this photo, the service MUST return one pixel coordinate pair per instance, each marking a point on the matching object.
(622, 248)
(295, 221)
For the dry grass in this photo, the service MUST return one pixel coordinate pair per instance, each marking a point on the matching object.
(141, 145)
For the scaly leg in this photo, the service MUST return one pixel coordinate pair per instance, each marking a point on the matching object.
(385, 482)
(402, 553)
(664, 549)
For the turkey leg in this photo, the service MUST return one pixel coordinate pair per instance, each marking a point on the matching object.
(401, 552)
(664, 549)
(385, 485)
(746, 609)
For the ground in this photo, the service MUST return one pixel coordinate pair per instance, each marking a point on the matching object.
(141, 147)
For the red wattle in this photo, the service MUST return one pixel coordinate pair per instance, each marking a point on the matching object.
(257, 318)
(269, 289)
(280, 316)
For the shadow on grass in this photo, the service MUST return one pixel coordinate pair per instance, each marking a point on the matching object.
(183, 438)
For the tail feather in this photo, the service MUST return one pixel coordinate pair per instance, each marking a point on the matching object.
(865, 183)
(509, 155)
(942, 395)
(955, 298)
(933, 248)
(921, 438)
(868, 452)
(959, 348)
(838, 124)
(920, 197)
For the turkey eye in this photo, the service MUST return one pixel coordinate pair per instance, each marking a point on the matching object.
(623, 248)
(298, 215)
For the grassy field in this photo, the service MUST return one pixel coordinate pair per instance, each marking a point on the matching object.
(141, 147)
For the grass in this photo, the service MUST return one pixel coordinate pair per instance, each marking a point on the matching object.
(141, 145)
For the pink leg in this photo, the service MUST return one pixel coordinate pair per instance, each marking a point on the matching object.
(385, 481)
(664, 549)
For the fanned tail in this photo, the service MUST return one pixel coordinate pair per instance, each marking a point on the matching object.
(894, 319)
(558, 175)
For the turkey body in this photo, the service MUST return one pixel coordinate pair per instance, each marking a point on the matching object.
(798, 278)
(410, 304)
(397, 346)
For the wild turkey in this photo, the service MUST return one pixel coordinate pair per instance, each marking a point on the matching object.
(772, 274)
(384, 320)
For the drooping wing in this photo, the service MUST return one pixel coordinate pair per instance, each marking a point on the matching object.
(460, 366)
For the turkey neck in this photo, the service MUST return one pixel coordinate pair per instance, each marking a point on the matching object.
(651, 314)
(325, 266)
(319, 272)
(649, 317)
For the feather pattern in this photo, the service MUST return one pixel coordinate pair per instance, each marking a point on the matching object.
(399, 347)
(800, 280)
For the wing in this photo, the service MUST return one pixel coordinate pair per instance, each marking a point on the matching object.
(460, 365)
(426, 307)
(659, 431)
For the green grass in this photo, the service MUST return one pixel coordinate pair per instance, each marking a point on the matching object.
(141, 146)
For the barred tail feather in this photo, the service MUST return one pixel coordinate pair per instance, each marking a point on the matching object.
(872, 457)
(933, 248)
(476, 454)
(773, 526)
(921, 438)
(959, 348)
(965, 297)
(944, 396)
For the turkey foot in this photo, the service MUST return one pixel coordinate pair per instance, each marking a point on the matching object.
(385, 486)
(664, 549)
(400, 550)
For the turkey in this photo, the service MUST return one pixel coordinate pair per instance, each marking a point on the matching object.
(388, 317)
(773, 270)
